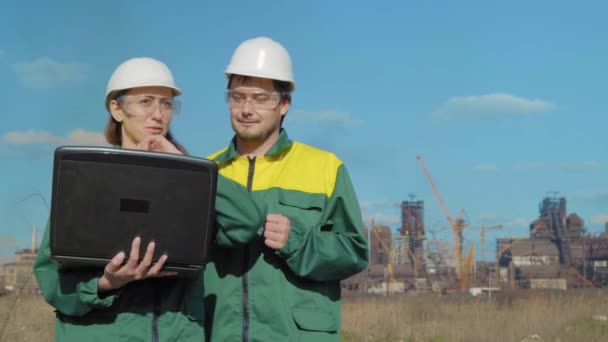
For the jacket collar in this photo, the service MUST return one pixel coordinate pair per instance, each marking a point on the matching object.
(282, 145)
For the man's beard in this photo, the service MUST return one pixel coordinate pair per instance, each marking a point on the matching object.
(253, 134)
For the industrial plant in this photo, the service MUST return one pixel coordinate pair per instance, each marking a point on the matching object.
(557, 254)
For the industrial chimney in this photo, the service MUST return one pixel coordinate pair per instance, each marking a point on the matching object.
(34, 242)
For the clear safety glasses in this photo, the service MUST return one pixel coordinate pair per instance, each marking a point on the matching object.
(258, 100)
(148, 104)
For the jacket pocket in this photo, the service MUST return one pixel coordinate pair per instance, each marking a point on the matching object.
(315, 320)
(303, 209)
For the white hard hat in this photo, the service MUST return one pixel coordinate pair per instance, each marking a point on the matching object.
(262, 57)
(140, 72)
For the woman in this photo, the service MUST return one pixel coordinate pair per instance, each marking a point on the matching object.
(137, 301)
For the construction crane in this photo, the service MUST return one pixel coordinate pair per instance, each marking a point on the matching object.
(469, 264)
(390, 252)
(457, 226)
(441, 246)
(482, 238)
(389, 264)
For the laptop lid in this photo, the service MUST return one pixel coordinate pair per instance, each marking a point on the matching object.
(102, 198)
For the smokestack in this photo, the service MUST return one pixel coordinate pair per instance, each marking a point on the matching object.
(34, 242)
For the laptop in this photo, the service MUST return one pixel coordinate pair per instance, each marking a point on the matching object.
(102, 198)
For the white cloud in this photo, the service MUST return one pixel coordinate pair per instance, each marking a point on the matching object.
(599, 218)
(489, 106)
(507, 221)
(30, 137)
(368, 205)
(47, 73)
(78, 136)
(326, 117)
(485, 168)
(518, 222)
(488, 217)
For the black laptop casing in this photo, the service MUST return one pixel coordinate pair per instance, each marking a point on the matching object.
(102, 198)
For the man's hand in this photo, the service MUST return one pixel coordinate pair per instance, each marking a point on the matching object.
(276, 231)
(117, 275)
(158, 143)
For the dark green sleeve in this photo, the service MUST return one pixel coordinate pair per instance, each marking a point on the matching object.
(335, 249)
(238, 218)
(72, 293)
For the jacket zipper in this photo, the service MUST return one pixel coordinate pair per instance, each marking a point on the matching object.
(245, 279)
(155, 315)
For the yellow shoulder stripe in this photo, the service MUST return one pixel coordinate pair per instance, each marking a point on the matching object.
(304, 168)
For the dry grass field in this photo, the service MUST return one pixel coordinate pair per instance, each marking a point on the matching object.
(26, 318)
(510, 316)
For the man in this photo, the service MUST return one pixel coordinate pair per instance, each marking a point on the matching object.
(282, 283)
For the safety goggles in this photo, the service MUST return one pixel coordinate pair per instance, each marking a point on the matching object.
(258, 100)
(148, 104)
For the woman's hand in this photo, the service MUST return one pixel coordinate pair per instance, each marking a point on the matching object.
(117, 275)
(158, 143)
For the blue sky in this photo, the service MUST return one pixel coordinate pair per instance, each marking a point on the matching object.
(504, 101)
